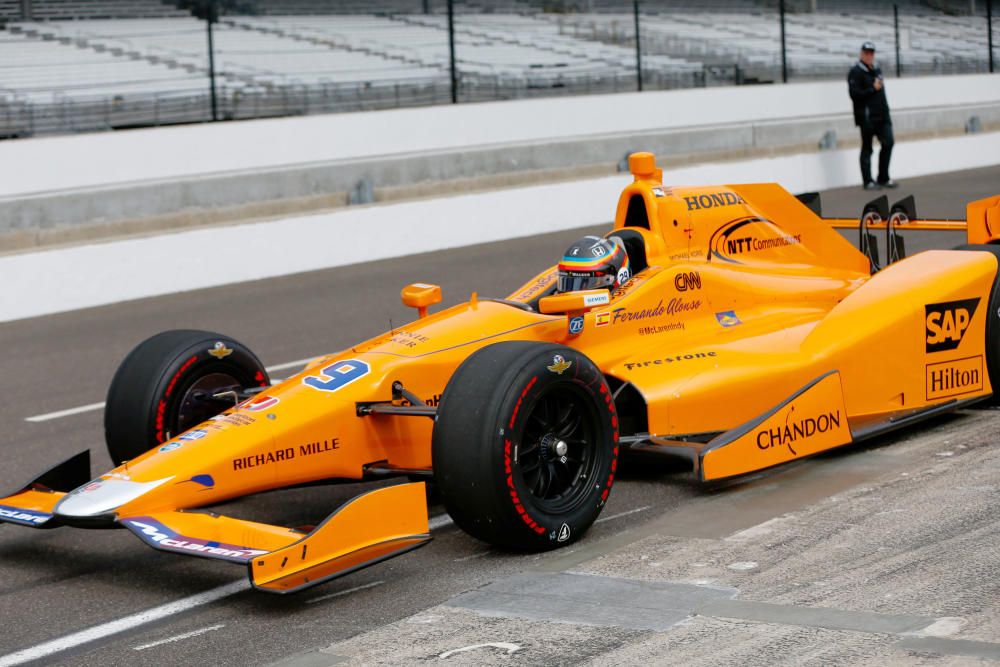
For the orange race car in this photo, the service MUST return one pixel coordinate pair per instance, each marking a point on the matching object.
(734, 327)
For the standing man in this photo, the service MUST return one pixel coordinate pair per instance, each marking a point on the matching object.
(871, 114)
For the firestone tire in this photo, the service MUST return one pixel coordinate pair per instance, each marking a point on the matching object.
(158, 389)
(525, 445)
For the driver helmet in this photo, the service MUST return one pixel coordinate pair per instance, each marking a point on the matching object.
(594, 262)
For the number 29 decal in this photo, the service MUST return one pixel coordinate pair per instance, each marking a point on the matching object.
(338, 375)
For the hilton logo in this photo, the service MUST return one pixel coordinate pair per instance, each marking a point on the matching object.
(953, 378)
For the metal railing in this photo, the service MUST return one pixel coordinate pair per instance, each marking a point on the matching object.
(525, 49)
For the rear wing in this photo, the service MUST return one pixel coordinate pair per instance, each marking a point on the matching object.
(982, 224)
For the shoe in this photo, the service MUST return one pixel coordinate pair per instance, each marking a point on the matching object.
(889, 185)
(870, 185)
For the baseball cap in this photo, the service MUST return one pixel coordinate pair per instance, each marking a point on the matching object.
(868, 46)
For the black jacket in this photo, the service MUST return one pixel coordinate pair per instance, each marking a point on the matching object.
(869, 104)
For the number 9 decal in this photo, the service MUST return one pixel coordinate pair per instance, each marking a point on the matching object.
(338, 375)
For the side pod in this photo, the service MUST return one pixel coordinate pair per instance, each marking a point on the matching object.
(33, 504)
(369, 529)
(812, 420)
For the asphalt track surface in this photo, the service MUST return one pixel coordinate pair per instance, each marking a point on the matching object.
(59, 582)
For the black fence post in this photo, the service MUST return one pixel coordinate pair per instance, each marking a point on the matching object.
(989, 30)
(638, 46)
(210, 18)
(784, 50)
(451, 51)
(895, 26)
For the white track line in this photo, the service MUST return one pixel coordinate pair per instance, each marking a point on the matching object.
(463, 559)
(121, 625)
(177, 638)
(621, 514)
(100, 406)
(65, 413)
(289, 364)
(347, 592)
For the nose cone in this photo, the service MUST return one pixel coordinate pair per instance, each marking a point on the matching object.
(103, 496)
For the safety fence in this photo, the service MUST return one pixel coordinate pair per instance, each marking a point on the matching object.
(237, 59)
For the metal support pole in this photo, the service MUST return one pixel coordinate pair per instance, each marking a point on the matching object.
(210, 18)
(451, 51)
(989, 30)
(638, 46)
(895, 26)
(784, 52)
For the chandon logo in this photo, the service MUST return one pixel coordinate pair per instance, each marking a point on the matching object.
(785, 436)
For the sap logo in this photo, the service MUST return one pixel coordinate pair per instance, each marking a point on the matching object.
(699, 202)
(685, 281)
(946, 323)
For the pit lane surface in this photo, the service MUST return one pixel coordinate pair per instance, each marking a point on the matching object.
(54, 583)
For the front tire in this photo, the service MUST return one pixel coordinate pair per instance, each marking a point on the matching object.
(525, 445)
(163, 388)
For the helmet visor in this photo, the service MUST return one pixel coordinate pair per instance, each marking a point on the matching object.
(570, 281)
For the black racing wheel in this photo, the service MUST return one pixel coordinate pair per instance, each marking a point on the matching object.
(166, 385)
(525, 445)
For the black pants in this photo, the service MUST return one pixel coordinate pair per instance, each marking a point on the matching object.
(883, 130)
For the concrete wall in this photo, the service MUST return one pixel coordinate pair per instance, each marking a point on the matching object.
(62, 188)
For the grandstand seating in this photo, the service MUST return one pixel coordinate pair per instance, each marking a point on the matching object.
(39, 73)
(302, 56)
(241, 54)
(103, 9)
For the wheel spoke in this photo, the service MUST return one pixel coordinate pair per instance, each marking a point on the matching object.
(531, 448)
(539, 483)
(571, 425)
(556, 474)
(532, 466)
(564, 417)
(550, 473)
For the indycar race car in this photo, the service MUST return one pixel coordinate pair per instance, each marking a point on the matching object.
(750, 334)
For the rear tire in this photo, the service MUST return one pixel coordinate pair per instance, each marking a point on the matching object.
(158, 390)
(525, 445)
(992, 342)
